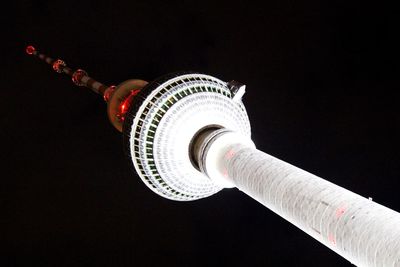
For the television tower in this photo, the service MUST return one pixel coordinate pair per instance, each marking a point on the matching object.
(188, 135)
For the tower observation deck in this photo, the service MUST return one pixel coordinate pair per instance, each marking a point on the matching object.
(188, 135)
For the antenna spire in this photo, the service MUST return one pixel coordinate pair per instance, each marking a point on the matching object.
(79, 77)
(119, 98)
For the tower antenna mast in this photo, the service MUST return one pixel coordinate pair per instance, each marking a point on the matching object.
(118, 97)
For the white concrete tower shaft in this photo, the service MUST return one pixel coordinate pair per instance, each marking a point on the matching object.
(362, 231)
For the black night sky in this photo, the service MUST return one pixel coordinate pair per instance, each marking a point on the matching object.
(322, 93)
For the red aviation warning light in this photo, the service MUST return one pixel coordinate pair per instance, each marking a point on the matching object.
(30, 50)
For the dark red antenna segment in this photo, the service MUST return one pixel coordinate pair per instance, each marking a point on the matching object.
(79, 77)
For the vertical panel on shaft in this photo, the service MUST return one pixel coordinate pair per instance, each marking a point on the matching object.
(364, 232)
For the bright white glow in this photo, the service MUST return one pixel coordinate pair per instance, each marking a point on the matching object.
(170, 117)
(219, 152)
(358, 229)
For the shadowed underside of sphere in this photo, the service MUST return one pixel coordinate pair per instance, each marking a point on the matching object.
(162, 122)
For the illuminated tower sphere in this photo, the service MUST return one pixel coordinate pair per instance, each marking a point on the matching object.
(188, 135)
(160, 127)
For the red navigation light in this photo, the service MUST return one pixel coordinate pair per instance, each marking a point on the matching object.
(109, 92)
(58, 65)
(30, 50)
(229, 154)
(126, 103)
(77, 76)
(340, 211)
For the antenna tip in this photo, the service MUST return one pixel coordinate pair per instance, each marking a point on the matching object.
(30, 50)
